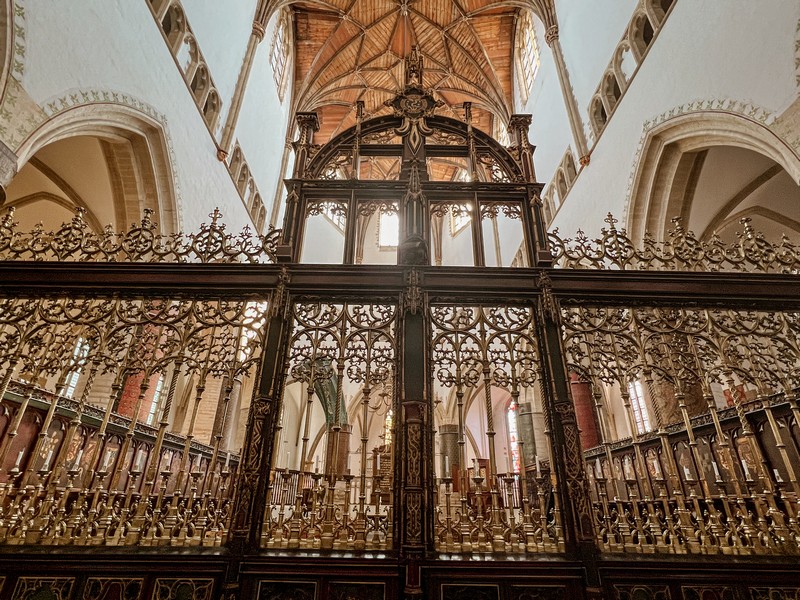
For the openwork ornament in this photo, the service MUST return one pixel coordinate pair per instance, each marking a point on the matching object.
(681, 250)
(142, 242)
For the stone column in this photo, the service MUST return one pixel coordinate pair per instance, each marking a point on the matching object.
(546, 11)
(584, 411)
(256, 37)
(575, 121)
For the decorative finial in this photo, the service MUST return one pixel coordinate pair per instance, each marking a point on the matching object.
(414, 68)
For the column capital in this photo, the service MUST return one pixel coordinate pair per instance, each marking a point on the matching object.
(307, 120)
(551, 35)
(259, 30)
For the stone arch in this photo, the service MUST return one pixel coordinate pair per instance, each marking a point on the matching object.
(611, 90)
(174, 26)
(136, 151)
(598, 115)
(211, 108)
(657, 10)
(200, 83)
(669, 156)
(236, 162)
(640, 35)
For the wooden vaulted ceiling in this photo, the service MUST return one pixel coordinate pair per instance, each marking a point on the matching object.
(349, 50)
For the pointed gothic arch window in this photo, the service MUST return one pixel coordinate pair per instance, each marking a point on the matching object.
(527, 54)
(279, 53)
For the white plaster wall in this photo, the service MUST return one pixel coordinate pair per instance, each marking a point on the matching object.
(118, 46)
(261, 129)
(222, 30)
(745, 52)
(549, 130)
(589, 32)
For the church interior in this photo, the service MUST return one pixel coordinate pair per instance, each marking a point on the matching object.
(399, 299)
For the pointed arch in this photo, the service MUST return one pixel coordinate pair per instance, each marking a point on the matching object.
(664, 164)
(134, 143)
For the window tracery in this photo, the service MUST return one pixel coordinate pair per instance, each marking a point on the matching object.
(527, 54)
(279, 53)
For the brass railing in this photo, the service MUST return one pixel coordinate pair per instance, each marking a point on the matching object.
(723, 479)
(711, 479)
(722, 511)
(59, 505)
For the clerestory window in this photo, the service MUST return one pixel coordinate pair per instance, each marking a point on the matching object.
(528, 54)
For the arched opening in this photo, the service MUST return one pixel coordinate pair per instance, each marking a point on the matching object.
(641, 34)
(711, 171)
(611, 90)
(211, 109)
(108, 160)
(174, 26)
(199, 83)
(598, 115)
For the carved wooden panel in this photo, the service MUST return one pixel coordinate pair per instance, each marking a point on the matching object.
(43, 588)
(704, 592)
(356, 591)
(287, 590)
(470, 592)
(112, 588)
(641, 592)
(769, 593)
(537, 592)
(183, 589)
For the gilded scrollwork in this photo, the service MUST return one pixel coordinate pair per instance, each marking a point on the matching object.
(76, 242)
(680, 250)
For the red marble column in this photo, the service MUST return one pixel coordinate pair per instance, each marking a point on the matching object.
(584, 411)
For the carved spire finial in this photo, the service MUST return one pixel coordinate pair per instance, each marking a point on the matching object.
(414, 68)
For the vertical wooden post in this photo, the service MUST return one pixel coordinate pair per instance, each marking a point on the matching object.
(567, 455)
(413, 487)
(254, 469)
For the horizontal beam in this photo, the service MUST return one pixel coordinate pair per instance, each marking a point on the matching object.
(21, 278)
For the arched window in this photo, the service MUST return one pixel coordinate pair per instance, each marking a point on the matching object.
(527, 54)
(388, 230)
(188, 55)
(279, 53)
(262, 216)
(640, 415)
